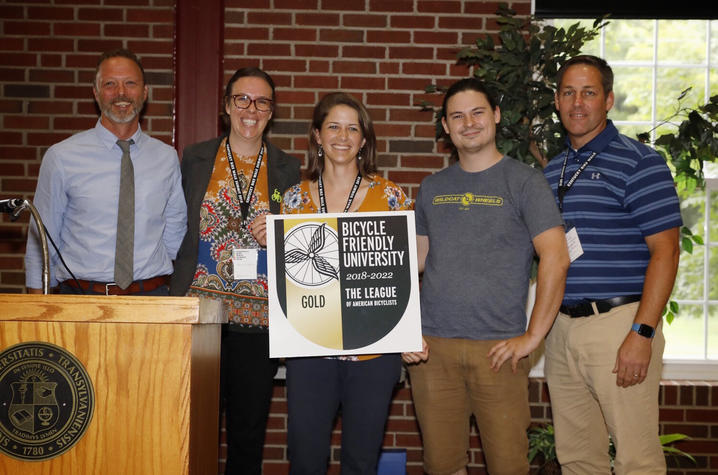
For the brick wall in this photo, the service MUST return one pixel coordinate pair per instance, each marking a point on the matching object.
(685, 407)
(383, 51)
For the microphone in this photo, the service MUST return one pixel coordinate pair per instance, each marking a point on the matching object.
(10, 205)
(13, 207)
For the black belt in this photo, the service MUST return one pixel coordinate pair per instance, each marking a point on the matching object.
(584, 309)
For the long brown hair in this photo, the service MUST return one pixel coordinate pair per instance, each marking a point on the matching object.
(367, 164)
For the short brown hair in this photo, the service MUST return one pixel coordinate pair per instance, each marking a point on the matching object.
(599, 63)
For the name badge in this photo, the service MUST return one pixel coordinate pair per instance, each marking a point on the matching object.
(574, 244)
(244, 264)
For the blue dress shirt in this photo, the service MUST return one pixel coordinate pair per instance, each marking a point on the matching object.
(77, 196)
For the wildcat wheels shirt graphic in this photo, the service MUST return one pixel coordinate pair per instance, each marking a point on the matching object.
(342, 283)
(46, 401)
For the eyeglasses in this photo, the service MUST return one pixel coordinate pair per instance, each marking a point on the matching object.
(243, 101)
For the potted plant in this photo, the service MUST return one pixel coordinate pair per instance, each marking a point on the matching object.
(520, 71)
(692, 144)
(542, 444)
(667, 441)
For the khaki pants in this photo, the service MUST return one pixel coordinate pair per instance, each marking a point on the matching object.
(457, 381)
(587, 404)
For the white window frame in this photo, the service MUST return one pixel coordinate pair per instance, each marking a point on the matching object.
(699, 368)
(655, 65)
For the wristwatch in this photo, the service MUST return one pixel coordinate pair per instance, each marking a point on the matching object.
(644, 330)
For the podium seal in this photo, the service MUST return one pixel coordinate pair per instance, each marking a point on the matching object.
(46, 401)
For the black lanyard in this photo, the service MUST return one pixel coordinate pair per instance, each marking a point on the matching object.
(352, 194)
(563, 189)
(244, 202)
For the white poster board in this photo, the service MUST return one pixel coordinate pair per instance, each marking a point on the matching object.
(342, 284)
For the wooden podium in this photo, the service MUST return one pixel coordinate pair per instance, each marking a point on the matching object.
(154, 366)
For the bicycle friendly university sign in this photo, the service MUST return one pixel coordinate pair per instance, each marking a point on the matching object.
(343, 284)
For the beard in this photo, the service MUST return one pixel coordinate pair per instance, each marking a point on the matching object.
(476, 144)
(122, 117)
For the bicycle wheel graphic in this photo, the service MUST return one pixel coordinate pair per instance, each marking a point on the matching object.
(311, 255)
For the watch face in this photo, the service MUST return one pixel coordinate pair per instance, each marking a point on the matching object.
(645, 330)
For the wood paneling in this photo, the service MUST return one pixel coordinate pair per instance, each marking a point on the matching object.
(156, 384)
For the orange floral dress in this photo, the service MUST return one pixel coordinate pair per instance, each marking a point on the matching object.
(382, 195)
(222, 229)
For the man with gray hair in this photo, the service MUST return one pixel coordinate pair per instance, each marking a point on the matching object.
(110, 197)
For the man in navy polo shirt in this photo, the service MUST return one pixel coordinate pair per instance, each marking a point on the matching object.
(604, 352)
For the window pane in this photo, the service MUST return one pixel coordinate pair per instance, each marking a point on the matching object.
(629, 40)
(632, 130)
(710, 170)
(671, 82)
(690, 278)
(713, 223)
(682, 41)
(667, 128)
(713, 266)
(592, 47)
(713, 332)
(632, 91)
(684, 337)
(693, 210)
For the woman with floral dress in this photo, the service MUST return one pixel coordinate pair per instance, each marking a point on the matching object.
(231, 183)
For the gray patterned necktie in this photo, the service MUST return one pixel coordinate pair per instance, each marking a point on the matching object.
(124, 249)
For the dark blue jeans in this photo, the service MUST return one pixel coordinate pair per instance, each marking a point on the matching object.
(316, 388)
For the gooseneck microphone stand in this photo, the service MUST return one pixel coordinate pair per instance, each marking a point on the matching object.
(16, 206)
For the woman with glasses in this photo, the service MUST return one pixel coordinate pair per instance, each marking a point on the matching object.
(342, 178)
(231, 183)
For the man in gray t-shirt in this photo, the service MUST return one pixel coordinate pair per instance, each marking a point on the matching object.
(479, 223)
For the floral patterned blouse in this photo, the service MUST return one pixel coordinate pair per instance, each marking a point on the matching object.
(382, 195)
(222, 229)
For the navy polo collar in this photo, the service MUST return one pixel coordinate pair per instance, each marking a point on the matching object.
(600, 142)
